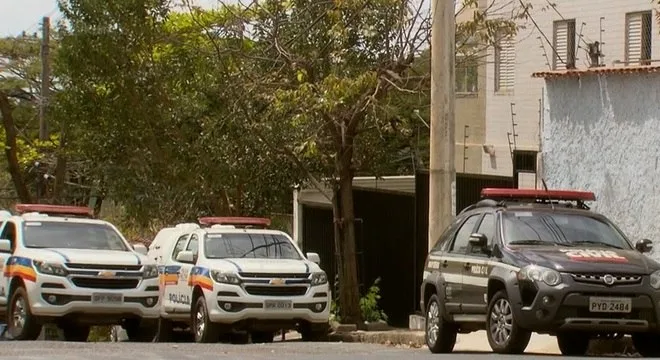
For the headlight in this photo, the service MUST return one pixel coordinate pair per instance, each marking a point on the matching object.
(50, 268)
(225, 277)
(150, 271)
(655, 279)
(538, 273)
(319, 278)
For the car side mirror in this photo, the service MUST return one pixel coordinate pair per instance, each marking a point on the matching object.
(140, 249)
(5, 245)
(314, 257)
(478, 240)
(644, 245)
(185, 257)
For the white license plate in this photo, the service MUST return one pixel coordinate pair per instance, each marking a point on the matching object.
(107, 298)
(278, 305)
(610, 305)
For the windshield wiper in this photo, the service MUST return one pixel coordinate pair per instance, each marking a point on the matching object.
(262, 246)
(531, 242)
(591, 242)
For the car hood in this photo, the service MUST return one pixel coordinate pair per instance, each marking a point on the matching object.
(272, 266)
(92, 257)
(586, 259)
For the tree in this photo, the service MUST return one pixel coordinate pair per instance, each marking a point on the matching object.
(150, 108)
(323, 87)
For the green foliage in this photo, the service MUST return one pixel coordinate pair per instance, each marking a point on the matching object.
(369, 308)
(99, 334)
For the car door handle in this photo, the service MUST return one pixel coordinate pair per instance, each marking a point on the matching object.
(445, 264)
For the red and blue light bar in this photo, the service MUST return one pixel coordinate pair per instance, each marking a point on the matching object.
(534, 194)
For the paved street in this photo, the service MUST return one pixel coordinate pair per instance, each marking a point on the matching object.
(46, 350)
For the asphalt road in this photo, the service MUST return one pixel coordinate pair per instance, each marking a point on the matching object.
(46, 350)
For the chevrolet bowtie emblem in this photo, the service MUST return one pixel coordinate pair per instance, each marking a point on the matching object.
(277, 281)
(106, 273)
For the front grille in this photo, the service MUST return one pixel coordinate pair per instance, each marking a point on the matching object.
(276, 290)
(97, 283)
(619, 279)
(104, 267)
(273, 275)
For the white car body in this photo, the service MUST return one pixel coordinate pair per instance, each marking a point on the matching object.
(76, 287)
(265, 294)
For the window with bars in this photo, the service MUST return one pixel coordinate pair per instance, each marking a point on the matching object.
(505, 64)
(639, 34)
(467, 73)
(564, 45)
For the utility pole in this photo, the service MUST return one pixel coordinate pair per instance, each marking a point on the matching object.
(45, 77)
(442, 169)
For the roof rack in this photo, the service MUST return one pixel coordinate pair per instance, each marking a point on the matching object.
(504, 195)
(235, 221)
(57, 210)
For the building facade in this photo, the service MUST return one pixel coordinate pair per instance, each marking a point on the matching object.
(600, 133)
(554, 35)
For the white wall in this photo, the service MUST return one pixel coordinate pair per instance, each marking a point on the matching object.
(530, 58)
(602, 133)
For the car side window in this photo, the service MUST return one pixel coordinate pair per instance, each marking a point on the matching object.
(9, 233)
(487, 227)
(462, 238)
(445, 239)
(193, 245)
(179, 246)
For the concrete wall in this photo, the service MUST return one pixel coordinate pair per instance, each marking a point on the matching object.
(530, 58)
(601, 133)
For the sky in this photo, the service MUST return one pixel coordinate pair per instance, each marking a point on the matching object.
(17, 16)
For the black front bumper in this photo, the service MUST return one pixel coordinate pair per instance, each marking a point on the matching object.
(545, 309)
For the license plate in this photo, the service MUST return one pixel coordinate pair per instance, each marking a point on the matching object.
(610, 305)
(107, 298)
(278, 305)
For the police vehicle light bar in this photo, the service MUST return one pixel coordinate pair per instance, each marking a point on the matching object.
(55, 210)
(533, 194)
(245, 221)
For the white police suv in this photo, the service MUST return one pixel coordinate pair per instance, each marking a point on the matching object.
(61, 266)
(234, 274)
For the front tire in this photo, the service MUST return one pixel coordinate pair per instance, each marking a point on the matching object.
(572, 344)
(647, 344)
(440, 334)
(504, 334)
(21, 324)
(203, 329)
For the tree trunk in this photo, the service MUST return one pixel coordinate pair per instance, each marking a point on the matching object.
(349, 293)
(10, 150)
(60, 170)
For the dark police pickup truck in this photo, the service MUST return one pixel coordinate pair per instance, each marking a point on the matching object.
(522, 261)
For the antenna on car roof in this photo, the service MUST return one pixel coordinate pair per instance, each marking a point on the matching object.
(545, 187)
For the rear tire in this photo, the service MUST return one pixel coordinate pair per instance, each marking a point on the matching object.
(572, 344)
(647, 344)
(203, 329)
(504, 334)
(21, 324)
(440, 334)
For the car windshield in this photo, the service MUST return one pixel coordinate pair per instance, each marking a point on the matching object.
(565, 229)
(246, 245)
(68, 235)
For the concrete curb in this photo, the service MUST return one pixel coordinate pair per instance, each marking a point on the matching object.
(391, 337)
